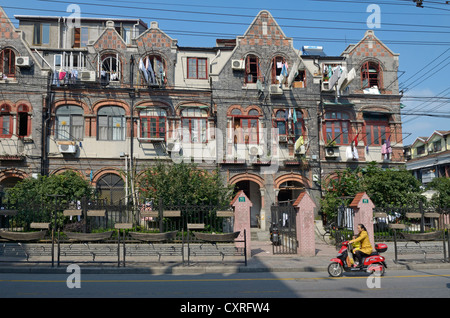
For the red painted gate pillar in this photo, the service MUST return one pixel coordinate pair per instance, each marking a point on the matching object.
(363, 214)
(242, 205)
(305, 225)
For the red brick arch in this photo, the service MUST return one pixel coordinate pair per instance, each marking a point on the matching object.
(111, 102)
(74, 102)
(102, 172)
(247, 177)
(13, 173)
(292, 177)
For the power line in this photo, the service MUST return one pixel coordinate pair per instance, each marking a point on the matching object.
(210, 34)
(250, 16)
(424, 67)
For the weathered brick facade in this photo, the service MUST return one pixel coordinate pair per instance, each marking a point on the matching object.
(224, 106)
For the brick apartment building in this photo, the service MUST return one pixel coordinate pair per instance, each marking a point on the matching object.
(274, 119)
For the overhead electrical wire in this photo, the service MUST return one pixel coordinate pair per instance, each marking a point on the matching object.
(252, 17)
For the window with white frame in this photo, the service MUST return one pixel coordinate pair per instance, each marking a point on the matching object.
(69, 122)
(111, 123)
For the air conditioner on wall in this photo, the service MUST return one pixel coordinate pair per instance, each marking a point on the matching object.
(87, 76)
(255, 150)
(238, 65)
(332, 152)
(23, 61)
(67, 148)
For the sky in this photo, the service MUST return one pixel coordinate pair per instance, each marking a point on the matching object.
(420, 35)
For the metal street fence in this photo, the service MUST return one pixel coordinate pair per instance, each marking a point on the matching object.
(420, 218)
(91, 229)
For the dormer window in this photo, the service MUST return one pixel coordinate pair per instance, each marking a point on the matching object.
(8, 63)
(252, 71)
(371, 75)
(153, 69)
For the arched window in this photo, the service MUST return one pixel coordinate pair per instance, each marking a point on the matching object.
(154, 70)
(23, 121)
(111, 123)
(194, 125)
(69, 122)
(299, 124)
(110, 68)
(281, 122)
(277, 69)
(371, 75)
(153, 123)
(8, 63)
(111, 187)
(246, 127)
(252, 69)
(5, 121)
(337, 127)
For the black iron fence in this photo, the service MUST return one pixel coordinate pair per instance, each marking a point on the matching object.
(82, 227)
(401, 221)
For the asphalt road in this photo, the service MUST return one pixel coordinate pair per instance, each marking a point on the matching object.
(263, 286)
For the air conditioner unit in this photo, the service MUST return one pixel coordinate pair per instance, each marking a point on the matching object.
(67, 148)
(23, 61)
(238, 65)
(256, 150)
(276, 90)
(282, 138)
(87, 76)
(332, 152)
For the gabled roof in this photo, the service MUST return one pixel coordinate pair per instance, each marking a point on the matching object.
(424, 140)
(154, 36)
(110, 39)
(369, 35)
(441, 133)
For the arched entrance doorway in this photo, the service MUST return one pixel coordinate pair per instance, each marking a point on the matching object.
(289, 191)
(253, 192)
(111, 187)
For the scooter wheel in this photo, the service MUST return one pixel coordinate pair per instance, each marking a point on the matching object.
(381, 271)
(335, 269)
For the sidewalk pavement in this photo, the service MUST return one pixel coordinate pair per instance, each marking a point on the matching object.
(262, 260)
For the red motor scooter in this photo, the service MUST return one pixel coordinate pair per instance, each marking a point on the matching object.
(372, 263)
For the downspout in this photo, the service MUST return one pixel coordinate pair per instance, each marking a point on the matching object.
(46, 117)
(212, 105)
(319, 126)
